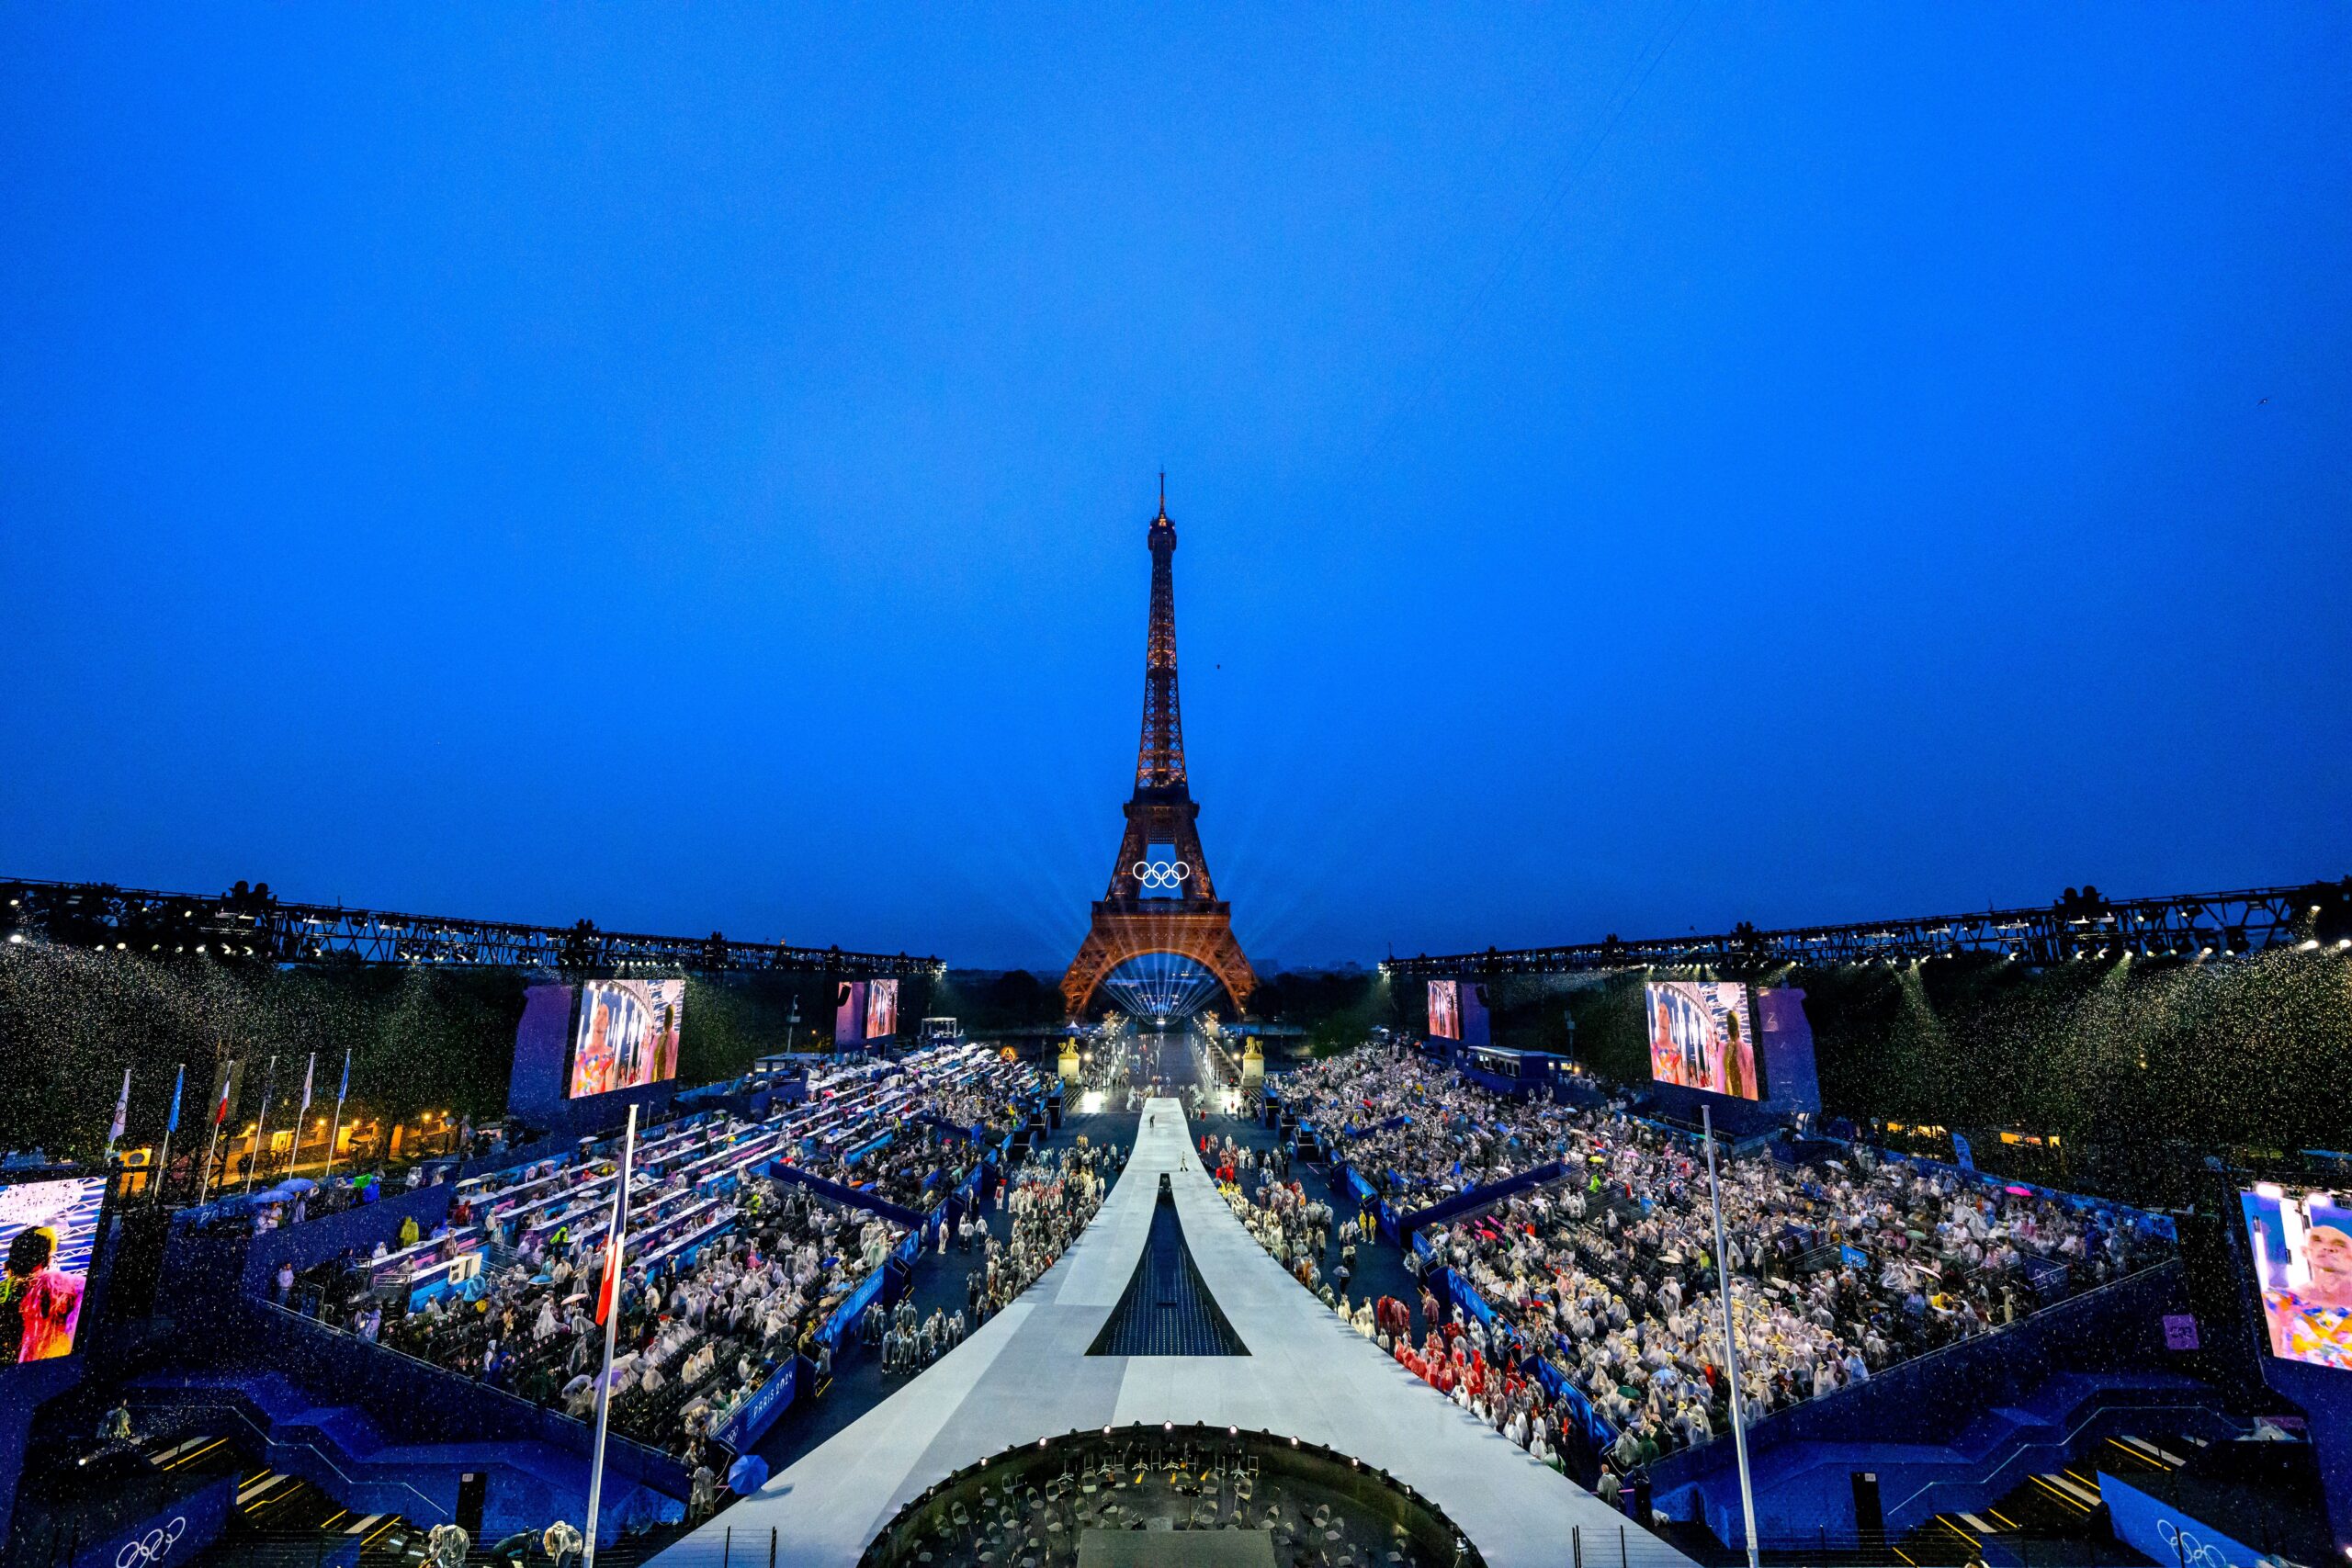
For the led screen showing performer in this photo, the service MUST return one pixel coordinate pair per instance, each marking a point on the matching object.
(47, 1232)
(1702, 1036)
(1445, 1009)
(2302, 1264)
(628, 1034)
(881, 1008)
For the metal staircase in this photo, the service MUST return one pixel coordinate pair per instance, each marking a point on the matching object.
(2054, 1515)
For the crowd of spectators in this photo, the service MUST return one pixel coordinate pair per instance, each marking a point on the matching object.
(1840, 1268)
(920, 1165)
(991, 1100)
(731, 1271)
(1413, 1129)
(694, 1337)
(1485, 1376)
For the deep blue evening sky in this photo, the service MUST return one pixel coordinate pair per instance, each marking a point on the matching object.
(1635, 468)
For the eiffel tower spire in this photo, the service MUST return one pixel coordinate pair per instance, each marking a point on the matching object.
(1161, 902)
(1160, 756)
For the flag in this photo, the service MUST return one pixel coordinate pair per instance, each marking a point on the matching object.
(607, 1289)
(347, 1076)
(121, 1110)
(172, 1121)
(228, 1090)
(306, 1095)
(604, 1287)
(611, 1273)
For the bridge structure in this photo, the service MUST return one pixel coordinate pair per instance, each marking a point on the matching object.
(250, 923)
(1161, 900)
(2078, 925)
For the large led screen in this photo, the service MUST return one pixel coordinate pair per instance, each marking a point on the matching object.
(628, 1034)
(881, 1008)
(1702, 1036)
(2302, 1264)
(47, 1232)
(849, 1015)
(1445, 1009)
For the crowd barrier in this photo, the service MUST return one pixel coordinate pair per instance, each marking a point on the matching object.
(1456, 1288)
(977, 1133)
(1473, 1200)
(966, 1199)
(855, 1197)
(761, 1411)
(355, 1230)
(842, 1324)
(1516, 1088)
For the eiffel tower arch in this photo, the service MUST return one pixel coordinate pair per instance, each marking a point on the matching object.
(1161, 898)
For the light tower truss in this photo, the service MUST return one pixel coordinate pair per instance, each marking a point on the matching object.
(2084, 925)
(252, 924)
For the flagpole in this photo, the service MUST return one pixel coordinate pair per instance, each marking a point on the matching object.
(219, 1115)
(336, 1131)
(171, 1125)
(121, 1114)
(294, 1154)
(1731, 1343)
(612, 1289)
(268, 1081)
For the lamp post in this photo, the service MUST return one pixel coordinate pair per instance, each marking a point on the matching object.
(1731, 1342)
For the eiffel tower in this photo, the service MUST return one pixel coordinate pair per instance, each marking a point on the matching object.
(1161, 898)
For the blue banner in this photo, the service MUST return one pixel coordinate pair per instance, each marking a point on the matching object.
(2162, 1533)
(173, 1534)
(757, 1414)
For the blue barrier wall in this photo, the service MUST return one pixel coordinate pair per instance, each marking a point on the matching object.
(2142, 1522)
(756, 1415)
(1480, 1197)
(1733, 1117)
(173, 1534)
(358, 1230)
(856, 1197)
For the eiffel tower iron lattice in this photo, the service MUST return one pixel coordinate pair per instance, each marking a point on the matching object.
(1161, 898)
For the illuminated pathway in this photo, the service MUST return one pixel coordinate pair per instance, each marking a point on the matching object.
(1025, 1374)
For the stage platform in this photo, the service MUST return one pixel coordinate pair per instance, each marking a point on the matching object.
(1026, 1374)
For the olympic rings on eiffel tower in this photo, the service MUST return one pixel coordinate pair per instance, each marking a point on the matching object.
(1161, 873)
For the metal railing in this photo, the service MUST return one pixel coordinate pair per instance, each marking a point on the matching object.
(271, 1443)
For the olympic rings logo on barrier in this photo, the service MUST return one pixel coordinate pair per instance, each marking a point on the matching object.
(147, 1550)
(1161, 873)
(2188, 1551)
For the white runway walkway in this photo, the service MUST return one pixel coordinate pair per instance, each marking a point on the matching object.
(1025, 1374)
